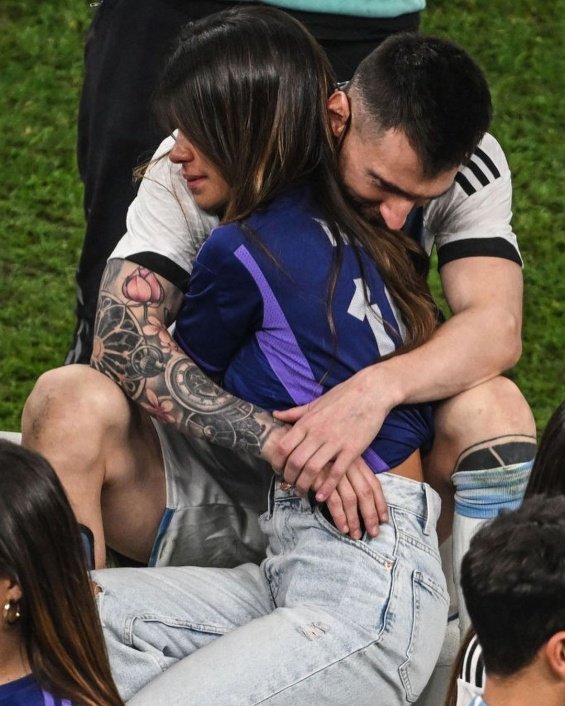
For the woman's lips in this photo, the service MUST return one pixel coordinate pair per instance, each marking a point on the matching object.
(194, 181)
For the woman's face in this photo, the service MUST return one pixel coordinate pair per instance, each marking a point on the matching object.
(208, 187)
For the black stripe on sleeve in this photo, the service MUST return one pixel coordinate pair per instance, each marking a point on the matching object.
(478, 247)
(480, 671)
(161, 265)
(468, 660)
(465, 184)
(478, 172)
(488, 162)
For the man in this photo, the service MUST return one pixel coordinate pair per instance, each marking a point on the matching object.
(414, 112)
(513, 578)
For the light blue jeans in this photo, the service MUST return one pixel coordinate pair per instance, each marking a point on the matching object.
(323, 620)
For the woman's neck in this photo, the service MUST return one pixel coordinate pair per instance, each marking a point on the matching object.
(13, 661)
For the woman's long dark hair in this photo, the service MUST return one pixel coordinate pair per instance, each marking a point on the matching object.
(249, 87)
(41, 551)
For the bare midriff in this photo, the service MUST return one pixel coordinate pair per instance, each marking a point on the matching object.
(411, 468)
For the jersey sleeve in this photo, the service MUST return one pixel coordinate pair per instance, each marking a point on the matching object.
(474, 217)
(222, 306)
(165, 227)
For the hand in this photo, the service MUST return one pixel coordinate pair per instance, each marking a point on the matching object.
(336, 428)
(359, 492)
(273, 440)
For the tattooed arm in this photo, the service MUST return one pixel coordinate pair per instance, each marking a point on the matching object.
(133, 347)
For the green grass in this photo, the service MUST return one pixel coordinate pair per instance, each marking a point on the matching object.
(41, 223)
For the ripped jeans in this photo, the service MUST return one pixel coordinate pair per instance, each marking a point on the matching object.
(324, 619)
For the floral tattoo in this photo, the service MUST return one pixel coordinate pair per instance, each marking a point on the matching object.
(133, 347)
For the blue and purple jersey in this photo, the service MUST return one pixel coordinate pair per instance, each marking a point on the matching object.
(255, 317)
(27, 692)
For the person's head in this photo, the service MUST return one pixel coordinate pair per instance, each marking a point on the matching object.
(247, 90)
(513, 580)
(548, 472)
(48, 603)
(414, 111)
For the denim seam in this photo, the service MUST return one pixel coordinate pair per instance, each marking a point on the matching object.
(419, 580)
(410, 539)
(181, 624)
(382, 559)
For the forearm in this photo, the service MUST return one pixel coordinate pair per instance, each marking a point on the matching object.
(133, 347)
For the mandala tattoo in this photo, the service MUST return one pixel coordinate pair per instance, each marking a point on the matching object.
(117, 334)
(212, 413)
(139, 355)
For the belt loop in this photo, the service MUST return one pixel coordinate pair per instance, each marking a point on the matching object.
(430, 516)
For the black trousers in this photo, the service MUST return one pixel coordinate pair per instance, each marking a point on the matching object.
(125, 47)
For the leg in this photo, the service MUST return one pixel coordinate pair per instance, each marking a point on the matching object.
(484, 449)
(336, 621)
(152, 618)
(106, 453)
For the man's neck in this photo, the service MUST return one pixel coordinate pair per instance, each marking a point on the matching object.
(527, 689)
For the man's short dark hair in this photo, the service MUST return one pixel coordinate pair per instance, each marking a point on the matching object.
(432, 90)
(513, 579)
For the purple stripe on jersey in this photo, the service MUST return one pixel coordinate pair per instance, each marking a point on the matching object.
(66, 702)
(297, 378)
(280, 346)
(377, 464)
(48, 699)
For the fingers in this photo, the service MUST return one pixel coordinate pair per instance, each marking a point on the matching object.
(284, 447)
(358, 500)
(342, 505)
(370, 498)
(339, 467)
(308, 472)
(291, 415)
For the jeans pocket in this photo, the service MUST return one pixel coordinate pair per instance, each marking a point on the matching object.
(429, 620)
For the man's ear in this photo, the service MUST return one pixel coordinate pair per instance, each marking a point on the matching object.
(339, 112)
(555, 654)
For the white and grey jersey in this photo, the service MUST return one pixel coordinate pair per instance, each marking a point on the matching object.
(165, 228)
(474, 217)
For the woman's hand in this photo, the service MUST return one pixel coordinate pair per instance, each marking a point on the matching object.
(358, 498)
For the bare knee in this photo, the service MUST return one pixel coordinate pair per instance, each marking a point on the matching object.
(71, 401)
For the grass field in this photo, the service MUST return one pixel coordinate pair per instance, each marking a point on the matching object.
(41, 221)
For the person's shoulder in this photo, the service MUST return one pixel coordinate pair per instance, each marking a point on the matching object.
(223, 242)
(486, 165)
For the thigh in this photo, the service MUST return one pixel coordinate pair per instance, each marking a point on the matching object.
(288, 657)
(153, 617)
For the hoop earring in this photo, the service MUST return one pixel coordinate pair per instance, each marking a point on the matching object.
(11, 613)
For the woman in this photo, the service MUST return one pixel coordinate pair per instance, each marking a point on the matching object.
(51, 645)
(547, 478)
(297, 284)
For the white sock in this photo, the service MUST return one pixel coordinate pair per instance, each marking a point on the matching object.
(480, 495)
